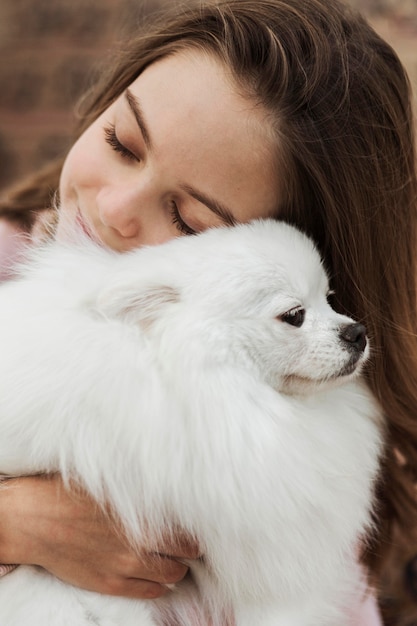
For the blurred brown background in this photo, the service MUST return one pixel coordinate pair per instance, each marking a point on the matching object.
(49, 51)
(49, 48)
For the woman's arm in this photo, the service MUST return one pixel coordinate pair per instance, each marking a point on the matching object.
(41, 523)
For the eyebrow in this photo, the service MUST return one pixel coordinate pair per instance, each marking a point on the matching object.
(215, 206)
(137, 112)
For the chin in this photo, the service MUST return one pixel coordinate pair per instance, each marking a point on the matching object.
(297, 384)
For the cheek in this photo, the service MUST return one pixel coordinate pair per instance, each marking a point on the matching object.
(83, 165)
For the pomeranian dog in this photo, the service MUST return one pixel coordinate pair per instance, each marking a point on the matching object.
(205, 384)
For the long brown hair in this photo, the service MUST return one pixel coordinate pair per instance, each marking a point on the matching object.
(339, 101)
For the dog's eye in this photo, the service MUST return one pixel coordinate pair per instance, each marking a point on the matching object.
(294, 317)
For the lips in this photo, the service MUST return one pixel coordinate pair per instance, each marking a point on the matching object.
(86, 229)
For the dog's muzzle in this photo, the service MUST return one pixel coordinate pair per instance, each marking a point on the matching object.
(354, 340)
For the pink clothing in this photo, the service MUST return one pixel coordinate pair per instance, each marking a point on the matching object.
(12, 243)
(369, 614)
(5, 569)
(366, 612)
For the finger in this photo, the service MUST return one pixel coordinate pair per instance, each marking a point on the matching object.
(131, 588)
(178, 544)
(162, 569)
(143, 589)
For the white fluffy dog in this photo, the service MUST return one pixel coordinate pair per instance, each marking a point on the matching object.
(204, 384)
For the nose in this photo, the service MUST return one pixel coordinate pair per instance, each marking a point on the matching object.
(354, 336)
(118, 210)
(131, 210)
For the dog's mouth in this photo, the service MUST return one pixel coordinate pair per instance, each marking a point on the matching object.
(353, 366)
(295, 383)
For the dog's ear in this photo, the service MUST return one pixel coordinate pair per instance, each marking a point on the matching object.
(135, 302)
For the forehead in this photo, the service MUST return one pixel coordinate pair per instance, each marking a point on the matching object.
(203, 131)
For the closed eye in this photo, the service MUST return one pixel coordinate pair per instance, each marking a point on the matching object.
(113, 141)
(294, 317)
(178, 222)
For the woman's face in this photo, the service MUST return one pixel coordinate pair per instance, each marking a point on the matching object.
(180, 151)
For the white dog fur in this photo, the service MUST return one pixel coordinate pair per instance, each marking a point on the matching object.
(179, 385)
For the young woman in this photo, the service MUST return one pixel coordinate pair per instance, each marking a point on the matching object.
(220, 114)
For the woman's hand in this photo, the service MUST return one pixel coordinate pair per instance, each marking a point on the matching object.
(41, 523)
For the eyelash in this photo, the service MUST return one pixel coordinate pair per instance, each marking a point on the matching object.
(114, 143)
(178, 222)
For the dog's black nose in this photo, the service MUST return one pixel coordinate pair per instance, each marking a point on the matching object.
(354, 335)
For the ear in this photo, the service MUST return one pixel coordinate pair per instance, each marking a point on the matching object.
(139, 303)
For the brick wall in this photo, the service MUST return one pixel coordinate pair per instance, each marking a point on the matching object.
(48, 49)
(48, 52)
